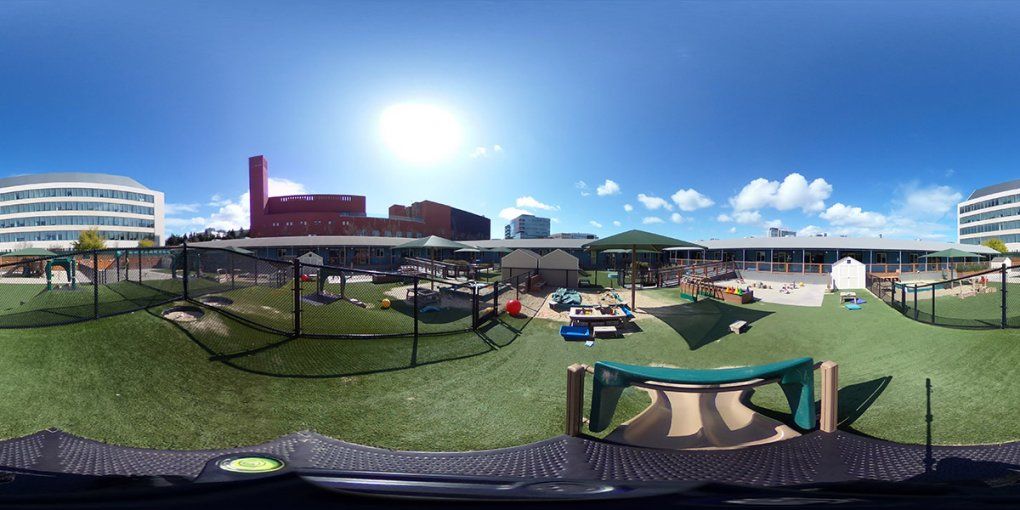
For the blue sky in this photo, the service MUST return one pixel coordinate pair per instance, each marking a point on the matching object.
(704, 119)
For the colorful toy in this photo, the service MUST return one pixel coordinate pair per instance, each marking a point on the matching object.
(384, 304)
(513, 307)
(305, 278)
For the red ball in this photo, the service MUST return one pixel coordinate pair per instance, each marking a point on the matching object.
(304, 278)
(513, 307)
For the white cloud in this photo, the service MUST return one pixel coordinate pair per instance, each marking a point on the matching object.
(175, 209)
(581, 185)
(676, 218)
(691, 200)
(847, 216)
(530, 201)
(484, 152)
(724, 218)
(510, 213)
(628, 207)
(595, 224)
(733, 230)
(742, 217)
(650, 220)
(773, 223)
(810, 231)
(608, 188)
(793, 193)
(616, 223)
(554, 220)
(652, 202)
(234, 214)
(928, 201)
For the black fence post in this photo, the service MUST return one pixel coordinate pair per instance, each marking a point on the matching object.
(232, 271)
(903, 298)
(118, 267)
(495, 299)
(414, 344)
(95, 284)
(184, 260)
(297, 297)
(1002, 277)
(139, 265)
(474, 307)
(933, 304)
(915, 301)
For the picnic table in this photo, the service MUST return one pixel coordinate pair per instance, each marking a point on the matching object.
(597, 315)
(847, 296)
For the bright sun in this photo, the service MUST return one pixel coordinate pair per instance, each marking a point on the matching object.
(420, 133)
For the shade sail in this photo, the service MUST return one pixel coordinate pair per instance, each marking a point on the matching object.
(638, 240)
(432, 242)
(30, 252)
(951, 253)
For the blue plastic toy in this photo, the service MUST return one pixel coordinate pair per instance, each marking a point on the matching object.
(852, 306)
(575, 332)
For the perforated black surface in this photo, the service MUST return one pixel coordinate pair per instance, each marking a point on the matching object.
(812, 458)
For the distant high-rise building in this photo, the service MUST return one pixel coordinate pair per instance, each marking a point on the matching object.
(992, 212)
(573, 235)
(527, 226)
(778, 232)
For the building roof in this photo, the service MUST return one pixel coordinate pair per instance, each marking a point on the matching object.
(85, 178)
(840, 243)
(787, 243)
(995, 188)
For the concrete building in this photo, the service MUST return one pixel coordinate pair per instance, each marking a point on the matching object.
(991, 212)
(573, 235)
(50, 210)
(527, 226)
(313, 215)
(778, 232)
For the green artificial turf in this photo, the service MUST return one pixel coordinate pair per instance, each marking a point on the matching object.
(140, 380)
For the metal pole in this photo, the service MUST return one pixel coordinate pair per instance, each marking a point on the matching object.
(414, 345)
(118, 268)
(903, 297)
(297, 297)
(232, 271)
(933, 304)
(184, 259)
(139, 265)
(1002, 276)
(95, 284)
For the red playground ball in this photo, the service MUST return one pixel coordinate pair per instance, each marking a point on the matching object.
(304, 278)
(513, 307)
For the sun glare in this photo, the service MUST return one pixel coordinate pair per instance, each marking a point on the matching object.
(420, 133)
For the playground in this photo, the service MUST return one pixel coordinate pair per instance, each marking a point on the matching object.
(357, 372)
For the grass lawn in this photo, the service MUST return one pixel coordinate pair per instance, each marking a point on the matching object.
(137, 379)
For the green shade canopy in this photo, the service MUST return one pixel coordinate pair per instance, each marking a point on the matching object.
(951, 253)
(620, 250)
(235, 249)
(635, 240)
(468, 250)
(638, 240)
(30, 252)
(432, 242)
(498, 250)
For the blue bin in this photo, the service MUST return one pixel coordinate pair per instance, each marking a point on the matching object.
(575, 332)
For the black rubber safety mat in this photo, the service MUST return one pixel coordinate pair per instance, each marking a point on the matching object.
(813, 458)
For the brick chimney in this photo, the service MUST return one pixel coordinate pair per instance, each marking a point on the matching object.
(258, 189)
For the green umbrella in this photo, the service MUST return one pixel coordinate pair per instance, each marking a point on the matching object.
(950, 254)
(432, 243)
(635, 240)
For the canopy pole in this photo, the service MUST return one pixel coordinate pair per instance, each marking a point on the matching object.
(633, 278)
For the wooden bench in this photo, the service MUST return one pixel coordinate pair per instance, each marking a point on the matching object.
(603, 331)
(738, 327)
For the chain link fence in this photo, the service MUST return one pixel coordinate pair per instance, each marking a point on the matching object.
(988, 299)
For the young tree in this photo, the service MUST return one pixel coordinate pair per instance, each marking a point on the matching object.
(89, 240)
(996, 244)
(146, 243)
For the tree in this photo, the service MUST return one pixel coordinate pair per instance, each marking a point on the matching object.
(90, 240)
(996, 244)
(146, 243)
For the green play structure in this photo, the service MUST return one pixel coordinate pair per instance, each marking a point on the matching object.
(69, 265)
(796, 378)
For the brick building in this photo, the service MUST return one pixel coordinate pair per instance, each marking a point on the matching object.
(304, 215)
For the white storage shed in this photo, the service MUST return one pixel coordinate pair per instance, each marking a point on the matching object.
(849, 273)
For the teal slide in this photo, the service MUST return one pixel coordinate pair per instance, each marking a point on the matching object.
(796, 378)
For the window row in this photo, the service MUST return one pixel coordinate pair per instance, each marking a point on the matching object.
(70, 235)
(76, 192)
(990, 227)
(42, 221)
(985, 204)
(76, 206)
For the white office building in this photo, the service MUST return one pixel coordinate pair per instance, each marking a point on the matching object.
(991, 212)
(50, 210)
(527, 226)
